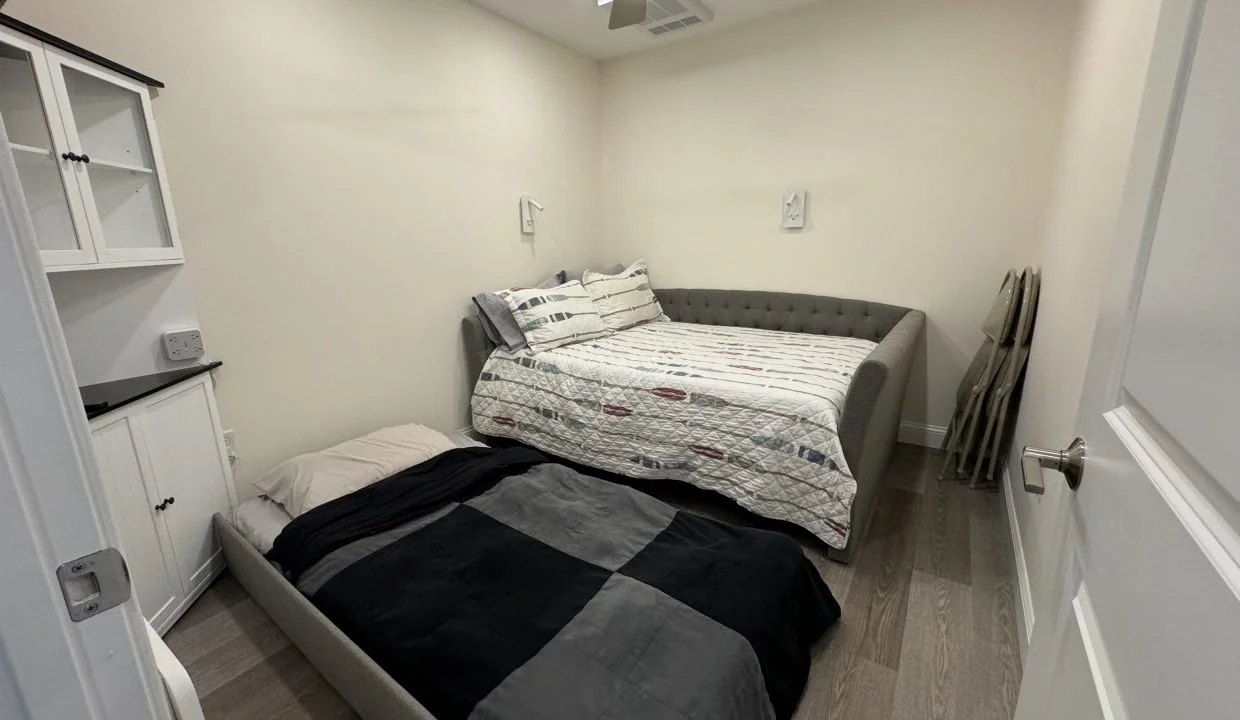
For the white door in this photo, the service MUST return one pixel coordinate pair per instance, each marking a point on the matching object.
(1147, 626)
(52, 668)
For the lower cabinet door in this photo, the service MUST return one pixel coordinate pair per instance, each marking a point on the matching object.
(118, 450)
(191, 473)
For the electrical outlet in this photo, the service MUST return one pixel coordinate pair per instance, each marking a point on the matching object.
(230, 446)
(184, 344)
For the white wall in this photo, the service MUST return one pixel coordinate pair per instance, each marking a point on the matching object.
(345, 176)
(924, 130)
(1108, 76)
(114, 320)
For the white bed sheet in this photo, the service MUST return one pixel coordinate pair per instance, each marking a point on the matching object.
(260, 520)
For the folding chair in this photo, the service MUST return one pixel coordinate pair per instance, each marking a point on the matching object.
(1000, 399)
(981, 374)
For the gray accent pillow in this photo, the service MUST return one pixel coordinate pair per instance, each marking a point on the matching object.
(488, 327)
(497, 320)
(495, 313)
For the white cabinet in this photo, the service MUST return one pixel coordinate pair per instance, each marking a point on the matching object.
(166, 472)
(88, 157)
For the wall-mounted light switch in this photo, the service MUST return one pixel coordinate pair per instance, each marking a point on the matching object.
(528, 206)
(794, 210)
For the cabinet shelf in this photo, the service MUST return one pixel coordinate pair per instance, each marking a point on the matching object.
(29, 150)
(122, 167)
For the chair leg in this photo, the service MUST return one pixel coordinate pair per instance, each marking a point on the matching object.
(994, 455)
(949, 445)
(953, 440)
(970, 432)
(987, 432)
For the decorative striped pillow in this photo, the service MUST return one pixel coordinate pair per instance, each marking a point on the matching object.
(556, 316)
(625, 299)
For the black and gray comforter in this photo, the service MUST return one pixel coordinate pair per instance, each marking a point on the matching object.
(492, 584)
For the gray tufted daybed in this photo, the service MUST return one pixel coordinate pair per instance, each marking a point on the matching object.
(870, 418)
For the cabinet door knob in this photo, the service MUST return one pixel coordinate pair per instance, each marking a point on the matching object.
(162, 506)
(84, 158)
(170, 501)
(70, 156)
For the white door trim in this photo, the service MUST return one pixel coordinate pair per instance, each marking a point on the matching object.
(1020, 568)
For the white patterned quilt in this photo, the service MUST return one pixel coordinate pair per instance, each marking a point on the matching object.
(751, 414)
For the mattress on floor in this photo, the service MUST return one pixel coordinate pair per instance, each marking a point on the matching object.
(751, 414)
(260, 519)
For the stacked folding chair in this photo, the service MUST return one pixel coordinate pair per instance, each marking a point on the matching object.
(978, 432)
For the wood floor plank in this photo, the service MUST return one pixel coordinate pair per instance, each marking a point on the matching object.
(943, 536)
(225, 593)
(203, 639)
(996, 652)
(236, 656)
(912, 468)
(878, 595)
(266, 690)
(934, 682)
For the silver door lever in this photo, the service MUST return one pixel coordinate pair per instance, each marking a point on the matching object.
(1070, 462)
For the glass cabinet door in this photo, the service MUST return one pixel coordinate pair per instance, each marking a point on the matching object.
(108, 121)
(37, 139)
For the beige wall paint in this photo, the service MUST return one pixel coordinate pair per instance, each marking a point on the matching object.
(1108, 76)
(345, 176)
(924, 130)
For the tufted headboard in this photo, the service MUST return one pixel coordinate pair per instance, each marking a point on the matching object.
(782, 311)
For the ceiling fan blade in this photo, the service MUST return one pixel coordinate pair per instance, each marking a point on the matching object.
(627, 12)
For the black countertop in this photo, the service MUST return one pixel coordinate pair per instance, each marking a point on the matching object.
(105, 397)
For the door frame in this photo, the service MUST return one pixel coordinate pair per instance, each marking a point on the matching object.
(52, 511)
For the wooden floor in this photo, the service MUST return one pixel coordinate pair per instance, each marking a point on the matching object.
(929, 628)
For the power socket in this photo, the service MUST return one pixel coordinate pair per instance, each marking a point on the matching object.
(230, 446)
(184, 344)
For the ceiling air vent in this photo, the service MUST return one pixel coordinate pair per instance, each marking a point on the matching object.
(668, 16)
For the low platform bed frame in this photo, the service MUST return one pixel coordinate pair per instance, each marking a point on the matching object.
(368, 689)
(871, 418)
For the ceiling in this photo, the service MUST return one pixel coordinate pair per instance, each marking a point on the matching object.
(582, 24)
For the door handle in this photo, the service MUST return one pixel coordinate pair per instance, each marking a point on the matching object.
(1070, 462)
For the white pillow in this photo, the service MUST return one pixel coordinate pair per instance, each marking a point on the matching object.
(624, 299)
(556, 316)
(308, 481)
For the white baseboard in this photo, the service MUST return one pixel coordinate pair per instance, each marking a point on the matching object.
(930, 436)
(1024, 593)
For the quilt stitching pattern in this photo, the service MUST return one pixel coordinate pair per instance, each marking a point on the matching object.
(751, 414)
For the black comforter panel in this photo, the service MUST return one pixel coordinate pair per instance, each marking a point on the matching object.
(495, 586)
(449, 477)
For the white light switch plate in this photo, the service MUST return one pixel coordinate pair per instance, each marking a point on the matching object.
(794, 210)
(183, 344)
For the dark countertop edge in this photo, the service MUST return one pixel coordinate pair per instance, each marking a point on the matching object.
(188, 373)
